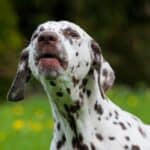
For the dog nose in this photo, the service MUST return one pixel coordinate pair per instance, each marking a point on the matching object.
(48, 37)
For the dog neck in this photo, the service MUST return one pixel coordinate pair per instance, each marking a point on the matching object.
(77, 109)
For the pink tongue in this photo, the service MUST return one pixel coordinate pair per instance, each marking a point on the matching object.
(49, 63)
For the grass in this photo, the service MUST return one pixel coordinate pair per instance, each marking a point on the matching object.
(26, 125)
(29, 125)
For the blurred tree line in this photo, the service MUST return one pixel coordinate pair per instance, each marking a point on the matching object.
(122, 28)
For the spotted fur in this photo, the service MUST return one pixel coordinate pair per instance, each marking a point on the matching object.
(76, 82)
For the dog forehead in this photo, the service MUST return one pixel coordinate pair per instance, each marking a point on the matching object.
(61, 25)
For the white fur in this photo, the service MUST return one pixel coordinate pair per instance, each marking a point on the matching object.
(87, 122)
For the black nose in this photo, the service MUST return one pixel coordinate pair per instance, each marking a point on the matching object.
(48, 37)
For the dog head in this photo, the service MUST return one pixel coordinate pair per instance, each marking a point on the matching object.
(60, 50)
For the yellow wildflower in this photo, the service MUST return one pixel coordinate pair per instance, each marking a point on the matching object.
(18, 124)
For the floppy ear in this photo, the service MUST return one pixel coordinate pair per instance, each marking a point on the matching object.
(97, 59)
(16, 91)
(105, 73)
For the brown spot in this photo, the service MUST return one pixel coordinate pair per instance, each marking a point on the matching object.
(105, 73)
(42, 29)
(115, 123)
(95, 47)
(77, 54)
(60, 94)
(69, 32)
(79, 44)
(91, 72)
(129, 124)
(70, 119)
(110, 114)
(97, 57)
(52, 83)
(58, 125)
(84, 147)
(84, 82)
(87, 63)
(80, 137)
(81, 95)
(98, 108)
(88, 93)
(75, 81)
(74, 142)
(99, 118)
(61, 142)
(78, 65)
(68, 90)
(122, 125)
(126, 147)
(84, 90)
(116, 114)
(92, 147)
(127, 138)
(111, 138)
(135, 147)
(75, 107)
(99, 136)
(78, 144)
(142, 132)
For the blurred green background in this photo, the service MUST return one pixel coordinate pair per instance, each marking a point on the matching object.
(122, 28)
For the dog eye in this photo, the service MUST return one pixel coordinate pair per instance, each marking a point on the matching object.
(68, 32)
(34, 36)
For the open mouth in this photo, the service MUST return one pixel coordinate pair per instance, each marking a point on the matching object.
(51, 61)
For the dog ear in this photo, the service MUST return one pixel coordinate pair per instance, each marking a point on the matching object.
(16, 91)
(106, 74)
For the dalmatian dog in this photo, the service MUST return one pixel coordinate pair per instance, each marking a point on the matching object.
(69, 64)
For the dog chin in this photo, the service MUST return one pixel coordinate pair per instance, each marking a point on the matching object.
(50, 74)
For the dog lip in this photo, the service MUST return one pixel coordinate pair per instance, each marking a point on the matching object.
(47, 55)
(62, 62)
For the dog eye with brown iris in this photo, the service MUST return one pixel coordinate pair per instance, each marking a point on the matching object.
(69, 32)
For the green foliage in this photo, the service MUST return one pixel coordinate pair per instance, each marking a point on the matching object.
(10, 43)
(123, 31)
(29, 124)
(121, 28)
(10, 39)
(26, 125)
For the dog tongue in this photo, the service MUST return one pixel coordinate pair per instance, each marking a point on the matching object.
(51, 63)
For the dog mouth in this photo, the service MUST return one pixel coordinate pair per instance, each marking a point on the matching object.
(51, 61)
